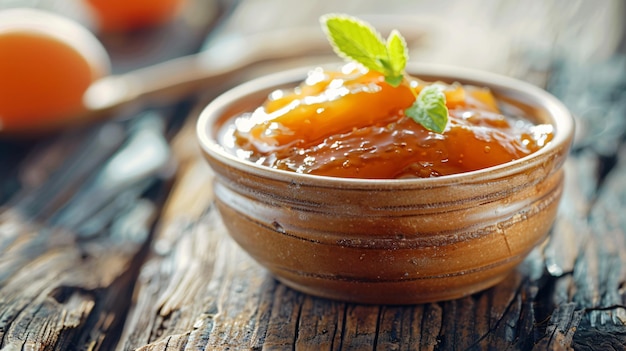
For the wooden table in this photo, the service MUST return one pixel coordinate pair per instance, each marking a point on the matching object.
(93, 261)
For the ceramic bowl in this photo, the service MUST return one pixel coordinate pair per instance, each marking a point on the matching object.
(398, 241)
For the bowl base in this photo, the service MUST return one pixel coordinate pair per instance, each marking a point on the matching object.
(402, 293)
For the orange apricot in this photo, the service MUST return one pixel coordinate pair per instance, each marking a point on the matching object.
(125, 15)
(47, 62)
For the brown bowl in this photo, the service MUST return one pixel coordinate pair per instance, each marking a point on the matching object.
(398, 241)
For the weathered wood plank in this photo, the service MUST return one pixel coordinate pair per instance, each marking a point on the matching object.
(588, 244)
(395, 322)
(53, 301)
(360, 328)
(431, 326)
(198, 290)
(604, 321)
(319, 324)
(169, 281)
(60, 289)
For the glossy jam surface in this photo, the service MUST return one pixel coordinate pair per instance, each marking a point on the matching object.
(351, 124)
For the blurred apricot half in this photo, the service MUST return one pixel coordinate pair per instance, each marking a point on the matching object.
(125, 15)
(47, 62)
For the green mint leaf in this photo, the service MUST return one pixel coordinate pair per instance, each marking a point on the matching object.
(356, 40)
(430, 109)
(353, 39)
(397, 50)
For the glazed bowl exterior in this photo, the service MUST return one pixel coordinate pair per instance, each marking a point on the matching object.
(400, 241)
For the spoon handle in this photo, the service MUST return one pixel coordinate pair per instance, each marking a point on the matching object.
(179, 77)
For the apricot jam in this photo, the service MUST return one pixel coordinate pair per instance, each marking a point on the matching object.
(351, 124)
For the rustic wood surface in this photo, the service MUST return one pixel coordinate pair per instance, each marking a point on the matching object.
(97, 255)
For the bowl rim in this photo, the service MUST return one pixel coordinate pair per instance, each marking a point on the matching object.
(562, 120)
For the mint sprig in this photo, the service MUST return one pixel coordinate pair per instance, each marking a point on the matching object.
(429, 109)
(356, 40)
